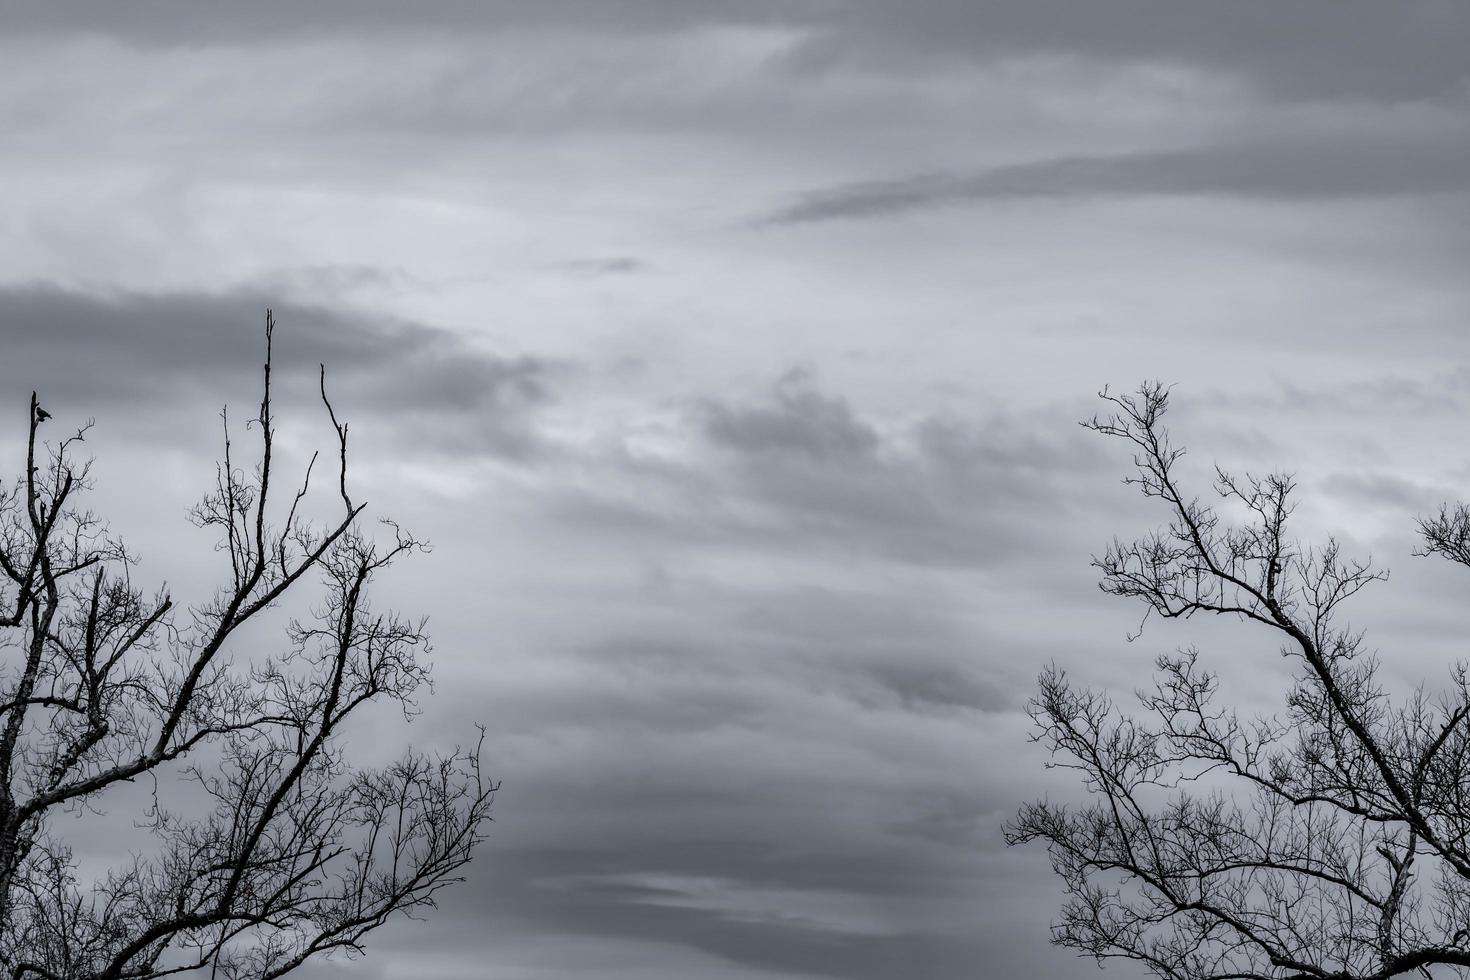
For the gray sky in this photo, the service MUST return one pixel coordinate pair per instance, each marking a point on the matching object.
(730, 355)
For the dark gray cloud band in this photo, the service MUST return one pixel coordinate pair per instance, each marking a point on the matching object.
(125, 353)
(1325, 170)
(798, 464)
(1338, 49)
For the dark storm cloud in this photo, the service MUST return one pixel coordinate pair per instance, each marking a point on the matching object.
(144, 352)
(1349, 49)
(577, 892)
(180, 22)
(1382, 491)
(801, 421)
(947, 685)
(763, 873)
(782, 945)
(799, 465)
(941, 491)
(1292, 170)
(722, 654)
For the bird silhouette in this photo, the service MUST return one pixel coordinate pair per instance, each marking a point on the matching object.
(41, 414)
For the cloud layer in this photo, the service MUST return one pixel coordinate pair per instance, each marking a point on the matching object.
(731, 357)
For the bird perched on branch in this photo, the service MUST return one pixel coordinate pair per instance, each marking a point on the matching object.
(41, 414)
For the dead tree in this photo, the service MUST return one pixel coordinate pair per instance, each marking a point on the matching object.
(268, 846)
(1331, 840)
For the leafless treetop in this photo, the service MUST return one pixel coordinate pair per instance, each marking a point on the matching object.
(285, 850)
(1331, 840)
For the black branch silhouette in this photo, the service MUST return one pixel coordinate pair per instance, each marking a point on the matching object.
(1330, 841)
(288, 851)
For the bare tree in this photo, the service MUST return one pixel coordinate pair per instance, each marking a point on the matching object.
(273, 848)
(1331, 840)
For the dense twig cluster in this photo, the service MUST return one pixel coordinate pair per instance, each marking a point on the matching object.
(287, 851)
(1345, 851)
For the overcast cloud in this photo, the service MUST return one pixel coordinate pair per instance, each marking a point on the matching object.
(731, 357)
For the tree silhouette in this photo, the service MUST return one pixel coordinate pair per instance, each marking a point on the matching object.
(1329, 841)
(269, 846)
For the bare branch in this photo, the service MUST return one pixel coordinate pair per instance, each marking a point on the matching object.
(1327, 842)
(295, 853)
